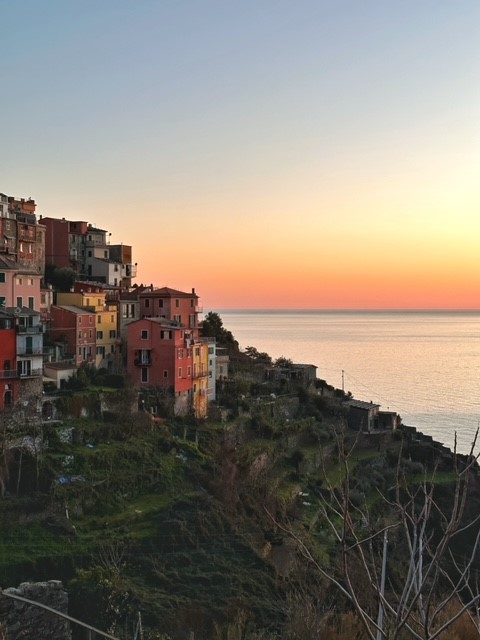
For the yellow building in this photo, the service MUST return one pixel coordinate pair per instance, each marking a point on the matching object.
(105, 323)
(200, 379)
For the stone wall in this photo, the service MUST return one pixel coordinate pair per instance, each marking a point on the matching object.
(28, 622)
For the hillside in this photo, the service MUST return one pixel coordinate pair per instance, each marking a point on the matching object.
(211, 529)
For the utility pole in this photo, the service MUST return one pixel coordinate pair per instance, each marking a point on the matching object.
(343, 380)
(380, 634)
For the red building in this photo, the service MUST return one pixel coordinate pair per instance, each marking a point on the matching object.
(9, 380)
(160, 355)
(75, 330)
(57, 248)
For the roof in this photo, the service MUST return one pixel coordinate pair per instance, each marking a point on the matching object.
(167, 292)
(60, 366)
(96, 230)
(74, 309)
(163, 322)
(7, 263)
(22, 311)
(361, 404)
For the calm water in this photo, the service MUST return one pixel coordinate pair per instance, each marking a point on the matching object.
(425, 366)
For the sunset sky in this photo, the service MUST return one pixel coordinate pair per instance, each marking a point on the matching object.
(271, 154)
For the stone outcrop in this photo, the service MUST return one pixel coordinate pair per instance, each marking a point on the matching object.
(22, 620)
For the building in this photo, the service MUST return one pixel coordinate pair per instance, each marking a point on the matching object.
(87, 250)
(173, 305)
(22, 238)
(94, 299)
(19, 286)
(160, 356)
(9, 379)
(28, 352)
(74, 331)
(362, 415)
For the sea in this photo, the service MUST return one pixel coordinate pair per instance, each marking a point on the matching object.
(423, 365)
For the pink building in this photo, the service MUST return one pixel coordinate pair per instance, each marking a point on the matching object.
(170, 304)
(19, 286)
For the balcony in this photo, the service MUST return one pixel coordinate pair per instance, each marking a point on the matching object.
(143, 362)
(8, 374)
(30, 373)
(29, 351)
(130, 270)
(29, 330)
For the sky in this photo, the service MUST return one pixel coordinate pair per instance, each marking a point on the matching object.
(270, 153)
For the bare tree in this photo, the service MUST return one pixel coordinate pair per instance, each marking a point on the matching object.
(428, 587)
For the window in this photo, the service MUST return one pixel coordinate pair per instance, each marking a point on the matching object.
(165, 373)
(31, 282)
(147, 303)
(180, 354)
(160, 302)
(79, 335)
(144, 334)
(105, 254)
(80, 320)
(177, 319)
(112, 320)
(192, 302)
(2, 301)
(165, 335)
(112, 348)
(3, 276)
(210, 350)
(31, 302)
(113, 334)
(197, 352)
(99, 319)
(179, 372)
(90, 333)
(189, 371)
(89, 254)
(144, 374)
(99, 335)
(177, 303)
(20, 302)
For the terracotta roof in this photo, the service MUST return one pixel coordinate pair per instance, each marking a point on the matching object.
(167, 292)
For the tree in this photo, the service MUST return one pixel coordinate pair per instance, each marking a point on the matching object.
(259, 357)
(424, 583)
(212, 327)
(283, 362)
(61, 278)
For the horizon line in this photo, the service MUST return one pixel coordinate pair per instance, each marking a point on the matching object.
(344, 310)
